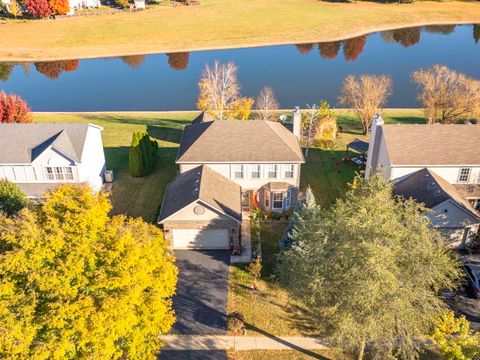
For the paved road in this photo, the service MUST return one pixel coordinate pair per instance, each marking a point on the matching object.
(201, 300)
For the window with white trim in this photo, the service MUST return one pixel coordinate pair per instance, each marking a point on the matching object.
(278, 200)
(59, 173)
(267, 199)
(272, 171)
(289, 169)
(255, 171)
(464, 175)
(237, 171)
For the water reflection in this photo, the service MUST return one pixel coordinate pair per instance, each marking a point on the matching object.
(169, 81)
(53, 69)
(352, 49)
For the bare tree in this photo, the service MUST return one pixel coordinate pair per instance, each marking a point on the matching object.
(447, 96)
(267, 104)
(310, 125)
(219, 89)
(366, 95)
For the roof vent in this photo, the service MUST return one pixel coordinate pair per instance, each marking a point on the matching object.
(195, 190)
(432, 183)
(426, 175)
(438, 192)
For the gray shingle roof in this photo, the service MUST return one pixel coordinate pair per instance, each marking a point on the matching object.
(428, 188)
(432, 144)
(202, 183)
(238, 141)
(37, 190)
(22, 143)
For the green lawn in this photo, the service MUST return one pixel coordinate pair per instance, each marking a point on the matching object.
(217, 24)
(143, 196)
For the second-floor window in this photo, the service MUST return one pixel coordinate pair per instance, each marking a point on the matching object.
(272, 171)
(237, 171)
(289, 171)
(255, 171)
(59, 173)
(464, 175)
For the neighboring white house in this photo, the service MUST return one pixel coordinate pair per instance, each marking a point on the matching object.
(38, 157)
(438, 165)
(250, 164)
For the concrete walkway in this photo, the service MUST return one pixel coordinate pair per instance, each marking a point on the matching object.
(246, 254)
(224, 342)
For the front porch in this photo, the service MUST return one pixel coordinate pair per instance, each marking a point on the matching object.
(273, 196)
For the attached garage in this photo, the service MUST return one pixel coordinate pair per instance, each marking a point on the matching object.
(201, 210)
(200, 239)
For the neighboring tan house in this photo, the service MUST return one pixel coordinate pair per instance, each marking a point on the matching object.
(39, 157)
(227, 167)
(437, 165)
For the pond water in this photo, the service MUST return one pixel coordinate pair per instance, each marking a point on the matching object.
(299, 74)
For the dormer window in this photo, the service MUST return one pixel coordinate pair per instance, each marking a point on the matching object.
(464, 175)
(237, 171)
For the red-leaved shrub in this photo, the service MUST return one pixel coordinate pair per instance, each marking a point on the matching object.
(38, 8)
(13, 109)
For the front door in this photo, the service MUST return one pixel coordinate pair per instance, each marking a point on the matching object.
(246, 200)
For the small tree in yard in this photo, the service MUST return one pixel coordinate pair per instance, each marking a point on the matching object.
(447, 96)
(255, 269)
(38, 8)
(366, 95)
(142, 155)
(12, 199)
(219, 90)
(59, 7)
(370, 270)
(241, 109)
(266, 104)
(309, 124)
(13, 109)
(454, 338)
(326, 127)
(78, 284)
(15, 8)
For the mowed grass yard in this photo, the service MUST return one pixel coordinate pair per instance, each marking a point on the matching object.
(143, 196)
(217, 24)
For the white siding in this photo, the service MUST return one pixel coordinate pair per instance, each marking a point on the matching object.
(92, 167)
(448, 173)
(247, 183)
(450, 215)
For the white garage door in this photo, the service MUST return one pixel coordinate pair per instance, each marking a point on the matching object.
(200, 239)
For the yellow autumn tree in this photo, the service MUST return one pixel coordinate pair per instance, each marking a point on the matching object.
(326, 126)
(78, 284)
(241, 109)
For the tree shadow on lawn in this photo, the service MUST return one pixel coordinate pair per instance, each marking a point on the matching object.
(165, 133)
(134, 119)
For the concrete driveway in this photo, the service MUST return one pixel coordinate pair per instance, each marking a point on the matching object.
(201, 300)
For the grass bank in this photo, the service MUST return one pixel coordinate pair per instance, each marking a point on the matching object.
(218, 24)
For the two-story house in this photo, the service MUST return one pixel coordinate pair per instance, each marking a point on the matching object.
(38, 157)
(227, 167)
(437, 165)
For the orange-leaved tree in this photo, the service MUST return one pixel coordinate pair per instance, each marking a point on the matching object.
(59, 7)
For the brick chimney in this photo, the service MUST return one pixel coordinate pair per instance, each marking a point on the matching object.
(297, 122)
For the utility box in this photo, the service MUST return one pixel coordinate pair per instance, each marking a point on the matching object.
(109, 176)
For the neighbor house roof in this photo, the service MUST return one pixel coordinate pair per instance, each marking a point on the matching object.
(204, 184)
(23, 143)
(238, 141)
(432, 144)
(428, 188)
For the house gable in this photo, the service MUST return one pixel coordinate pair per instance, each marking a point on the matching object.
(197, 211)
(450, 214)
